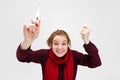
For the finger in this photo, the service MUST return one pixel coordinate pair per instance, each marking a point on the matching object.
(31, 27)
(36, 22)
(26, 27)
(33, 21)
(37, 25)
(83, 29)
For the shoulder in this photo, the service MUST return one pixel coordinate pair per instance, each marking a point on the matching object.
(76, 53)
(43, 55)
(77, 56)
(43, 52)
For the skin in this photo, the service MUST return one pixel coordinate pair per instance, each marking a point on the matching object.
(60, 43)
(31, 32)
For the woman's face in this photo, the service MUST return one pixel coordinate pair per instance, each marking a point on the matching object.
(60, 45)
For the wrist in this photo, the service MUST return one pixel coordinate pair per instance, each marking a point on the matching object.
(86, 41)
(26, 44)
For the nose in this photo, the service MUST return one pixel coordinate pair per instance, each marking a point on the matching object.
(59, 47)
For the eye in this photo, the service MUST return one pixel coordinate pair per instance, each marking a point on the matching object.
(64, 44)
(55, 43)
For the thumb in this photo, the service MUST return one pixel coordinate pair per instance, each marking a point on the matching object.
(36, 22)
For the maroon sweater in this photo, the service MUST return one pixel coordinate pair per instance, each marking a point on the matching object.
(40, 56)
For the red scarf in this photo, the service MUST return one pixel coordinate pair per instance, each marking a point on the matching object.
(51, 68)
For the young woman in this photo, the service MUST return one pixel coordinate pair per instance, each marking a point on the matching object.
(59, 62)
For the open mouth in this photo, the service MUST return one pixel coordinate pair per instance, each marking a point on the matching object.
(59, 51)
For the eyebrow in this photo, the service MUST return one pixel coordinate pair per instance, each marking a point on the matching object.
(57, 41)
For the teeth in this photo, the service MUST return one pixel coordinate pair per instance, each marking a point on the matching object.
(59, 51)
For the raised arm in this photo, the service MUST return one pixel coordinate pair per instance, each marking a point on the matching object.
(24, 53)
(31, 32)
(92, 59)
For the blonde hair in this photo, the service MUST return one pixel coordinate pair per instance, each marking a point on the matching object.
(58, 32)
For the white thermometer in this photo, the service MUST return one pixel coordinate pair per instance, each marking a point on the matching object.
(38, 13)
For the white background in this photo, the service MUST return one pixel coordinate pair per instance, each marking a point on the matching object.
(102, 16)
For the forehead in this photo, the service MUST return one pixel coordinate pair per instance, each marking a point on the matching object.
(59, 38)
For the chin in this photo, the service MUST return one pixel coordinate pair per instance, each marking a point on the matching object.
(60, 55)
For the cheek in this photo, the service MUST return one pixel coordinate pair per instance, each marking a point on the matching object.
(54, 48)
(66, 50)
